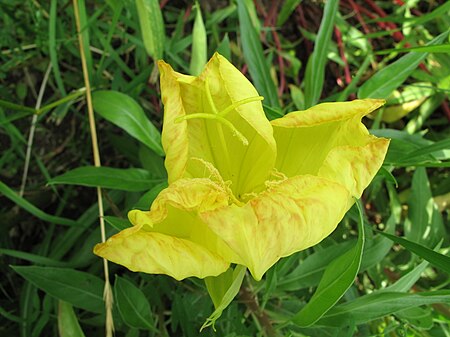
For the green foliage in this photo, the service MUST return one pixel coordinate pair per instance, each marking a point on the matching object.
(337, 278)
(388, 277)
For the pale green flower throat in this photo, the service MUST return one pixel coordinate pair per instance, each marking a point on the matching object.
(219, 116)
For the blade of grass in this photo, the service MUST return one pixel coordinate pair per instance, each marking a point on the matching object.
(21, 202)
(53, 48)
(441, 48)
(199, 44)
(131, 179)
(152, 27)
(438, 260)
(337, 278)
(385, 81)
(17, 107)
(68, 325)
(286, 10)
(315, 68)
(254, 57)
(36, 259)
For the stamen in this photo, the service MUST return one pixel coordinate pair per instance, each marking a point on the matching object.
(219, 119)
(278, 175)
(239, 103)
(215, 176)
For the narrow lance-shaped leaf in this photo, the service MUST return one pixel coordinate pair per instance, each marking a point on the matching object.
(126, 113)
(152, 27)
(223, 289)
(423, 224)
(132, 304)
(131, 179)
(30, 208)
(438, 260)
(315, 68)
(376, 305)
(80, 289)
(199, 44)
(338, 277)
(385, 81)
(286, 10)
(68, 325)
(254, 57)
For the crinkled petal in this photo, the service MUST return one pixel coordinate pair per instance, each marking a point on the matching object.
(290, 216)
(171, 238)
(355, 166)
(247, 166)
(328, 137)
(157, 253)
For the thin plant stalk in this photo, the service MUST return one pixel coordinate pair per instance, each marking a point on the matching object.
(107, 294)
(32, 130)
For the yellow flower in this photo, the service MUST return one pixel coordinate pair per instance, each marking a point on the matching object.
(244, 190)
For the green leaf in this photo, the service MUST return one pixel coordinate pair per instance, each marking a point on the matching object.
(21, 202)
(152, 27)
(438, 260)
(17, 107)
(132, 304)
(37, 259)
(254, 57)
(80, 289)
(223, 289)
(118, 223)
(426, 150)
(152, 162)
(287, 9)
(385, 81)
(401, 143)
(424, 224)
(441, 48)
(315, 68)
(126, 113)
(131, 179)
(68, 325)
(199, 44)
(297, 97)
(420, 318)
(377, 305)
(52, 47)
(407, 281)
(224, 47)
(310, 270)
(338, 277)
(147, 199)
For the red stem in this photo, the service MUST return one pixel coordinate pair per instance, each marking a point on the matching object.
(348, 77)
(359, 16)
(280, 62)
(398, 36)
(446, 109)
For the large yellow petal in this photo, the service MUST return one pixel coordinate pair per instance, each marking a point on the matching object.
(328, 137)
(290, 216)
(157, 253)
(171, 239)
(355, 166)
(247, 166)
